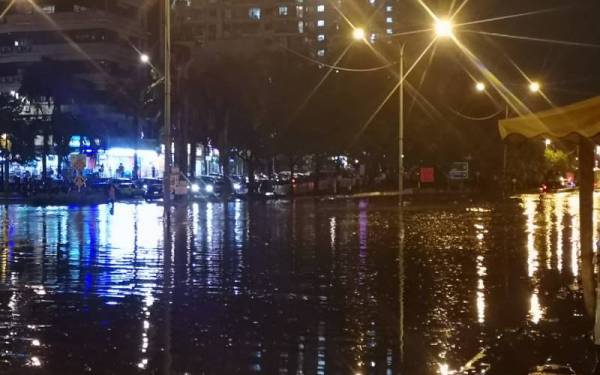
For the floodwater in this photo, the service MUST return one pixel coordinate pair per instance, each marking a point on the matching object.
(279, 287)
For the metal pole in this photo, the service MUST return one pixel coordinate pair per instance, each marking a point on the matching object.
(401, 209)
(401, 129)
(167, 103)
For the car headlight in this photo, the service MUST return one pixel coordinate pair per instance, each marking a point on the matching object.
(195, 188)
(237, 186)
(209, 188)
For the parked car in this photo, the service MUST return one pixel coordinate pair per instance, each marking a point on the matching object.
(127, 189)
(205, 187)
(238, 186)
(266, 188)
(153, 191)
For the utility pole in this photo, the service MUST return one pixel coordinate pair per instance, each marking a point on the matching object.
(401, 129)
(167, 103)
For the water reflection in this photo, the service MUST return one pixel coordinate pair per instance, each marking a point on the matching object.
(281, 287)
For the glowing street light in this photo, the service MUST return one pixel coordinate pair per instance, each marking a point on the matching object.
(480, 86)
(547, 142)
(443, 28)
(358, 33)
(144, 58)
(534, 87)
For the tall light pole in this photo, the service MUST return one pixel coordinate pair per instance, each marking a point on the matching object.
(167, 103)
(401, 128)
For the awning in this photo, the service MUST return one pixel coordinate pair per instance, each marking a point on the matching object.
(581, 118)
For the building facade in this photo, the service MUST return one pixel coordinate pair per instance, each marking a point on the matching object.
(94, 41)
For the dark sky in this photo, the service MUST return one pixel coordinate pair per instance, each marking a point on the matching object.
(567, 73)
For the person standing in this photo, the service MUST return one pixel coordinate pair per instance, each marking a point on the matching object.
(112, 194)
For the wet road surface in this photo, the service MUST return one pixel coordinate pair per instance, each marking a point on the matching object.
(285, 287)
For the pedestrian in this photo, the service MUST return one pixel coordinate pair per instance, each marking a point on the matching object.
(153, 171)
(112, 194)
(120, 170)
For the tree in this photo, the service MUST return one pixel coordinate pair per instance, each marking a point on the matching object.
(16, 137)
(51, 86)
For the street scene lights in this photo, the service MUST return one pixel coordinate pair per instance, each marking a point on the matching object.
(358, 33)
(444, 28)
(144, 58)
(534, 87)
(480, 86)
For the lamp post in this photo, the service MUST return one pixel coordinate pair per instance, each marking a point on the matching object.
(443, 29)
(534, 88)
(167, 103)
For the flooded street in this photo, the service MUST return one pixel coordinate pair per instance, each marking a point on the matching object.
(284, 287)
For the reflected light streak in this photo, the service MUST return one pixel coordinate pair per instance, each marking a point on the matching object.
(573, 207)
(481, 273)
(559, 231)
(548, 208)
(332, 227)
(536, 313)
(532, 253)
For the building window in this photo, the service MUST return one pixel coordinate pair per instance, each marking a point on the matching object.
(373, 37)
(254, 13)
(389, 20)
(320, 8)
(388, 31)
(283, 10)
(321, 37)
(388, 8)
(321, 23)
(321, 53)
(300, 27)
(372, 2)
(48, 9)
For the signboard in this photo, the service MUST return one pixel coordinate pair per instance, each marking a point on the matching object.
(427, 175)
(459, 171)
(78, 162)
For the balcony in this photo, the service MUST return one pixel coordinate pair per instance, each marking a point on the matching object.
(70, 21)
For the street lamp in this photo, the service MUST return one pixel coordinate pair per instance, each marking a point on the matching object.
(480, 86)
(358, 33)
(547, 142)
(144, 58)
(443, 28)
(534, 87)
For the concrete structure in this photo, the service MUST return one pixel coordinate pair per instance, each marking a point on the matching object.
(316, 26)
(326, 26)
(97, 41)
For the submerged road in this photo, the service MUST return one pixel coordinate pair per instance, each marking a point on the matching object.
(286, 287)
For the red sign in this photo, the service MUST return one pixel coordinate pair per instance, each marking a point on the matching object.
(427, 175)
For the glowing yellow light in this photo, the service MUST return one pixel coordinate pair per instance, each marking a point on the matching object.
(547, 142)
(144, 58)
(358, 33)
(534, 86)
(443, 28)
(444, 369)
(480, 86)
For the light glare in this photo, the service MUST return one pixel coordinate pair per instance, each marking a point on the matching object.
(534, 87)
(358, 33)
(443, 28)
(480, 86)
(144, 58)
